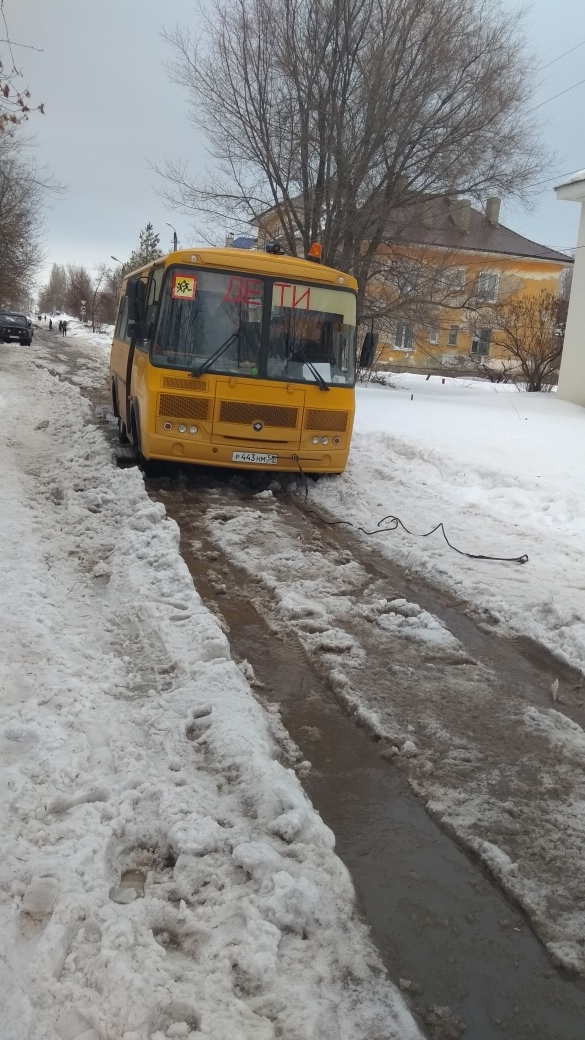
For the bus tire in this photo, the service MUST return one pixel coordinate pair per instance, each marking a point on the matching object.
(122, 434)
(148, 466)
(134, 431)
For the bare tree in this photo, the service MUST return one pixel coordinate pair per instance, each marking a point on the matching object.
(340, 114)
(79, 289)
(15, 98)
(530, 330)
(106, 305)
(22, 191)
(52, 295)
(69, 286)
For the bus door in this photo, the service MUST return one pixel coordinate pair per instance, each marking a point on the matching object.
(144, 329)
(130, 334)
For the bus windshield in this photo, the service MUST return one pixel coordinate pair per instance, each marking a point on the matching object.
(215, 322)
(312, 334)
(207, 315)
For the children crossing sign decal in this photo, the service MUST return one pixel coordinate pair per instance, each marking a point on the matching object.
(183, 287)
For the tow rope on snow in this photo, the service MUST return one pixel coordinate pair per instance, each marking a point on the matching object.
(394, 522)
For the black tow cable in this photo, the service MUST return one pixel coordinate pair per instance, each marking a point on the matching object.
(392, 523)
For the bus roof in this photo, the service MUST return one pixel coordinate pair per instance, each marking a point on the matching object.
(255, 262)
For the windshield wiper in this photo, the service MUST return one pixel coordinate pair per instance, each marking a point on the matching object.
(217, 354)
(319, 378)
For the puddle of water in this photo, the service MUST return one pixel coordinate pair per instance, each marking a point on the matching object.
(437, 919)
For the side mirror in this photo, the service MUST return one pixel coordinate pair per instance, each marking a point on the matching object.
(368, 351)
(136, 294)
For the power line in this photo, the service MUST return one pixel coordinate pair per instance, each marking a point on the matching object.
(546, 180)
(564, 55)
(555, 177)
(560, 94)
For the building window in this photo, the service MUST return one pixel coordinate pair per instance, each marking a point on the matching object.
(434, 334)
(408, 277)
(487, 286)
(403, 339)
(453, 278)
(453, 332)
(480, 344)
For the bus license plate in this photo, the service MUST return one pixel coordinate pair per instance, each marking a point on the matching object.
(253, 456)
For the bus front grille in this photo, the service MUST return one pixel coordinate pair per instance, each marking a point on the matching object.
(326, 419)
(176, 383)
(174, 407)
(246, 414)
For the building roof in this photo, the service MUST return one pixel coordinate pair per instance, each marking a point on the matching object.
(433, 221)
(575, 178)
(441, 229)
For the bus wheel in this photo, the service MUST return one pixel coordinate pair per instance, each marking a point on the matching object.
(149, 467)
(122, 435)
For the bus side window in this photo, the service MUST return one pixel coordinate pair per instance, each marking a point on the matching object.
(122, 322)
(119, 318)
(132, 330)
(154, 287)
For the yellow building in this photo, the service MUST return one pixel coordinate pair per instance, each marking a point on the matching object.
(440, 276)
(447, 273)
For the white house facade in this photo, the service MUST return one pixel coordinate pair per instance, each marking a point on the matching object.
(572, 372)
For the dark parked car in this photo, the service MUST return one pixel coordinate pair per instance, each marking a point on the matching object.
(15, 326)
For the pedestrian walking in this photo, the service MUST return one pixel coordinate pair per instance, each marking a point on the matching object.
(50, 324)
(64, 327)
(60, 326)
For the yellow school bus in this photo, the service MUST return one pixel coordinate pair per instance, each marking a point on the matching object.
(230, 357)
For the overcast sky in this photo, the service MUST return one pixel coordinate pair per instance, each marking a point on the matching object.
(111, 110)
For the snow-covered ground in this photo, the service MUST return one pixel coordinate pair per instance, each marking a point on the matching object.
(162, 872)
(499, 765)
(496, 761)
(504, 471)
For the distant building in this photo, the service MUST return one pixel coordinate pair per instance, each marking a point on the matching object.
(443, 270)
(462, 263)
(572, 374)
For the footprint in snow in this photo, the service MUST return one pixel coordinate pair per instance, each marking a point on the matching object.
(179, 1021)
(198, 722)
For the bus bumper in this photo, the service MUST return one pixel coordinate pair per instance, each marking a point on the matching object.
(202, 453)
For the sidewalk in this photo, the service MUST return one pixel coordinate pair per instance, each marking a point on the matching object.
(162, 873)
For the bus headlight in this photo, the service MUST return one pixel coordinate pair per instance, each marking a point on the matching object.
(192, 429)
(324, 440)
(182, 428)
(315, 440)
(337, 440)
(167, 426)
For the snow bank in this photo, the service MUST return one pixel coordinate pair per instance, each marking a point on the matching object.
(504, 471)
(162, 874)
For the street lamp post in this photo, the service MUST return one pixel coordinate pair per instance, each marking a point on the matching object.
(175, 239)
